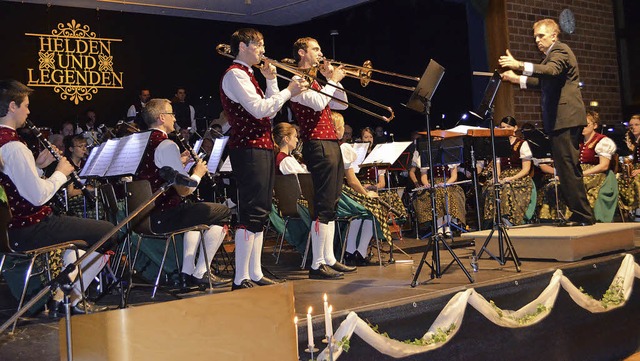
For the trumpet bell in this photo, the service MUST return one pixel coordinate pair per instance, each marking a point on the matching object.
(365, 73)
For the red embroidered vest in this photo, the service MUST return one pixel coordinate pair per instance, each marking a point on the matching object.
(149, 171)
(588, 150)
(314, 125)
(23, 213)
(246, 130)
(514, 160)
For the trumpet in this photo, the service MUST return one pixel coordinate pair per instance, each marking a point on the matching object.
(225, 50)
(364, 73)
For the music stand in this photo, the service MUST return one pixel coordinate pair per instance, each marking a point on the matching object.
(420, 101)
(485, 112)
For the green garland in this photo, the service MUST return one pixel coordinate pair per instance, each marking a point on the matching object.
(528, 318)
(438, 337)
(613, 296)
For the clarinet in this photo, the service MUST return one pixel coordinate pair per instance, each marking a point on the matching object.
(193, 154)
(74, 175)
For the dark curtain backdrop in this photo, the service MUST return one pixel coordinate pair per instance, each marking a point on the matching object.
(163, 52)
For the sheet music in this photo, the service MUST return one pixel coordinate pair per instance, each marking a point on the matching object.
(116, 157)
(361, 151)
(91, 161)
(216, 154)
(226, 166)
(129, 154)
(386, 152)
(197, 145)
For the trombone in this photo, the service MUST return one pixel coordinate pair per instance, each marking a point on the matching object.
(225, 50)
(364, 73)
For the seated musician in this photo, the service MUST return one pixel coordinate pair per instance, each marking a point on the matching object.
(517, 195)
(630, 181)
(170, 212)
(32, 224)
(356, 201)
(374, 179)
(450, 200)
(75, 149)
(596, 152)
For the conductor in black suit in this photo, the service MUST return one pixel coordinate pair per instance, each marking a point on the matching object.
(563, 111)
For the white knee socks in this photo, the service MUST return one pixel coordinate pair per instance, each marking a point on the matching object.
(91, 266)
(329, 255)
(244, 246)
(365, 237)
(213, 238)
(255, 260)
(352, 236)
(318, 237)
(189, 249)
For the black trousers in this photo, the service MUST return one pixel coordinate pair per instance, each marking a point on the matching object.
(324, 161)
(254, 171)
(188, 215)
(565, 147)
(59, 229)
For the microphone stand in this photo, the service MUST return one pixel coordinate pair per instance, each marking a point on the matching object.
(64, 282)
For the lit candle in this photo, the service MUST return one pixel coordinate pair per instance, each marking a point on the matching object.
(310, 329)
(330, 324)
(327, 317)
(295, 322)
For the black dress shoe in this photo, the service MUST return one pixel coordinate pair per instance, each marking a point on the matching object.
(243, 284)
(216, 281)
(343, 268)
(576, 223)
(81, 309)
(324, 272)
(359, 260)
(265, 281)
(55, 308)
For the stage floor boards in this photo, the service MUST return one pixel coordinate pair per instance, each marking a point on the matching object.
(370, 288)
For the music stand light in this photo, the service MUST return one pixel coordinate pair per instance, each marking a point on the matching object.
(420, 101)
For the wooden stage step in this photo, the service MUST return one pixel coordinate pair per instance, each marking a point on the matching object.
(563, 243)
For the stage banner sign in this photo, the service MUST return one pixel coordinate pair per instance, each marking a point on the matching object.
(74, 62)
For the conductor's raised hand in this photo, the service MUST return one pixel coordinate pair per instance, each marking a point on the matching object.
(268, 69)
(509, 62)
(510, 76)
(297, 86)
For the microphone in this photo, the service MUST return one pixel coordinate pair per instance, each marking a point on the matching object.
(173, 176)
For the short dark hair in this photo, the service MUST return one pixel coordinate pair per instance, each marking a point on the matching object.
(244, 35)
(12, 91)
(302, 43)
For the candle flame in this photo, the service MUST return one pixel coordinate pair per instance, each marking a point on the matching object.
(330, 309)
(310, 309)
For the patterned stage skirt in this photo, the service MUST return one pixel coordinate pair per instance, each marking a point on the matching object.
(518, 199)
(453, 195)
(602, 194)
(630, 192)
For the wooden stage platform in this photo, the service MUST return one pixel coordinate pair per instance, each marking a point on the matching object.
(563, 243)
(382, 295)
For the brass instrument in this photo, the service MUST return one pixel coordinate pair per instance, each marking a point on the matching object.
(364, 73)
(225, 50)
